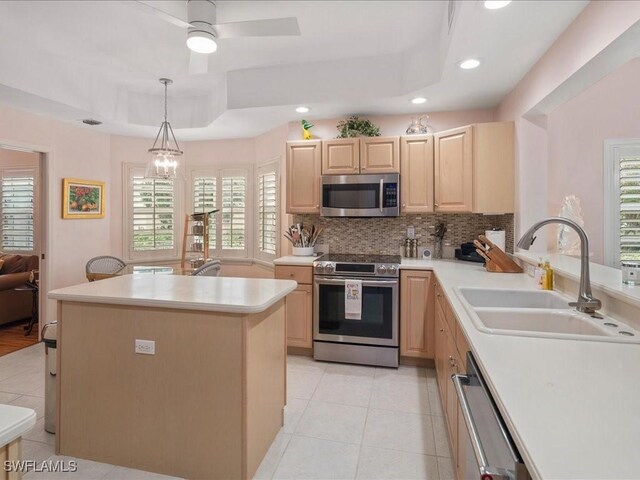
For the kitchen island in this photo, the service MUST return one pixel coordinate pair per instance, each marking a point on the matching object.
(14, 422)
(203, 398)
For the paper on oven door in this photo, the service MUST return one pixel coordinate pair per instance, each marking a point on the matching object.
(353, 299)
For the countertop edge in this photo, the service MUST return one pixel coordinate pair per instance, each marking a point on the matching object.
(9, 433)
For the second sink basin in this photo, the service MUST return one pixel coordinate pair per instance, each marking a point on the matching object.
(511, 298)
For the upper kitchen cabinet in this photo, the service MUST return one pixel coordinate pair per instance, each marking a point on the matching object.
(416, 174)
(341, 156)
(303, 176)
(474, 169)
(379, 155)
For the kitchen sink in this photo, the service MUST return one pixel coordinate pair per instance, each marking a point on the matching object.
(537, 313)
(506, 298)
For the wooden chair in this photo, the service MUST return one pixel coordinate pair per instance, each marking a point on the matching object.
(104, 266)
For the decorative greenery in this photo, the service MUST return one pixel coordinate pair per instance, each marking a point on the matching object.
(306, 125)
(355, 127)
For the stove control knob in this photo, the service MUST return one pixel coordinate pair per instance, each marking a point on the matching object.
(318, 268)
(329, 268)
(382, 269)
(393, 270)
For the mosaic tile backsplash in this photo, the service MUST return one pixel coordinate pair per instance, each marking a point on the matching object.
(385, 236)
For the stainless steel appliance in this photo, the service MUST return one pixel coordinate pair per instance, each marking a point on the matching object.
(489, 451)
(371, 340)
(361, 195)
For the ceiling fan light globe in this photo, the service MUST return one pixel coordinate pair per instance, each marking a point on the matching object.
(201, 42)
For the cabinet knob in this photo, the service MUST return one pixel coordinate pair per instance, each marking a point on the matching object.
(442, 330)
(317, 206)
(435, 205)
(404, 205)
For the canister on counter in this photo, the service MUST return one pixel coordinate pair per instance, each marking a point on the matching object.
(630, 272)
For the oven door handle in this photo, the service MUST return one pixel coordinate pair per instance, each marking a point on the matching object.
(481, 459)
(367, 283)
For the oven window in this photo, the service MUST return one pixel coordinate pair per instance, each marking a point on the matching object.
(355, 195)
(377, 312)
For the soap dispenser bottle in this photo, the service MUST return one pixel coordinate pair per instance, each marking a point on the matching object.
(547, 282)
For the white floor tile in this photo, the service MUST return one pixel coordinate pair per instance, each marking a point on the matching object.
(272, 458)
(24, 384)
(314, 459)
(379, 463)
(408, 432)
(401, 397)
(28, 401)
(86, 470)
(8, 397)
(344, 389)
(122, 473)
(301, 384)
(331, 421)
(362, 371)
(435, 405)
(305, 364)
(293, 411)
(405, 374)
(36, 451)
(445, 469)
(441, 435)
(38, 433)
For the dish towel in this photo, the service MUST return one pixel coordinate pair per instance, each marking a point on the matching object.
(353, 299)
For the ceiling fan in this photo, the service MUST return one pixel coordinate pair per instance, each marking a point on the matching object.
(203, 32)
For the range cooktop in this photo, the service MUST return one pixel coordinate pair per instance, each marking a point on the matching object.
(358, 264)
(359, 258)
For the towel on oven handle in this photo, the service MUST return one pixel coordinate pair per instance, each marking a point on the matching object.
(353, 299)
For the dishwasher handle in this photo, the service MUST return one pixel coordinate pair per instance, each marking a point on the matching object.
(476, 444)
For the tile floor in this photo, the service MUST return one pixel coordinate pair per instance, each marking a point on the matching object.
(341, 422)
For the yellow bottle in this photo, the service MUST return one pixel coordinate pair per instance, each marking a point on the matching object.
(547, 276)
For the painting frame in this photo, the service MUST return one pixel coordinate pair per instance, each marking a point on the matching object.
(94, 199)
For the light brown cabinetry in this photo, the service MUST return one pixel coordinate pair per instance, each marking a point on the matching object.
(379, 155)
(341, 156)
(298, 305)
(350, 156)
(451, 348)
(474, 169)
(303, 176)
(416, 314)
(416, 174)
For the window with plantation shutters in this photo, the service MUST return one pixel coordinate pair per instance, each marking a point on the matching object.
(17, 209)
(267, 209)
(622, 201)
(205, 200)
(234, 193)
(153, 215)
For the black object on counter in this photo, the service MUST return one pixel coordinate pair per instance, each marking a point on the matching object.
(467, 253)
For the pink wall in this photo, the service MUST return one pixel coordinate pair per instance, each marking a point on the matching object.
(397, 124)
(597, 26)
(576, 131)
(16, 158)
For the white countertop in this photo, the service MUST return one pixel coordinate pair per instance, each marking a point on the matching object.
(216, 294)
(572, 406)
(295, 260)
(14, 422)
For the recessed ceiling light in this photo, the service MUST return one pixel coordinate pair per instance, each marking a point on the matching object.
(302, 109)
(418, 100)
(201, 42)
(469, 63)
(496, 4)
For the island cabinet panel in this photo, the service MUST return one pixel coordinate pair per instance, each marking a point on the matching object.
(303, 176)
(341, 156)
(298, 306)
(416, 174)
(207, 404)
(417, 314)
(380, 155)
(12, 452)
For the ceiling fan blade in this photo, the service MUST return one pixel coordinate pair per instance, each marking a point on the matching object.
(168, 11)
(198, 63)
(273, 27)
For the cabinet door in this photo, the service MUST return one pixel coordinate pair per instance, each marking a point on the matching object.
(454, 170)
(303, 176)
(416, 314)
(380, 155)
(451, 406)
(416, 174)
(441, 355)
(298, 311)
(341, 156)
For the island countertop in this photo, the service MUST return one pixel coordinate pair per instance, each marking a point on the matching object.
(216, 294)
(14, 422)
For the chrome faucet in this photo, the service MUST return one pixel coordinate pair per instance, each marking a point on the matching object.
(586, 303)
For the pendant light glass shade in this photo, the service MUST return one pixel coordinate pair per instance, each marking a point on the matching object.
(165, 150)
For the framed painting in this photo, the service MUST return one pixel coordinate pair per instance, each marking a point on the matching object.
(82, 198)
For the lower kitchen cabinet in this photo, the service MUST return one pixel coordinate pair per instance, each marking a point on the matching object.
(416, 314)
(298, 305)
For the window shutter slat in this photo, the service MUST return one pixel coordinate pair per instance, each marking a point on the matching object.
(629, 228)
(267, 209)
(17, 207)
(153, 226)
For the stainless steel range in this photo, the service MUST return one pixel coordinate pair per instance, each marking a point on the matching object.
(372, 337)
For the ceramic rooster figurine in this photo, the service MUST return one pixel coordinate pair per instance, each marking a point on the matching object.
(306, 134)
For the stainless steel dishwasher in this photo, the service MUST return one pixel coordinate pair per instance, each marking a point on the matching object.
(488, 451)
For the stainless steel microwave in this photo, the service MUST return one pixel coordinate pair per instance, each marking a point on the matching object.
(361, 195)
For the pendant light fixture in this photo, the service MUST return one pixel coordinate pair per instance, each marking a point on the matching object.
(165, 151)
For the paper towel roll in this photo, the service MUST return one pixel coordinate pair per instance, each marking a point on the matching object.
(496, 237)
